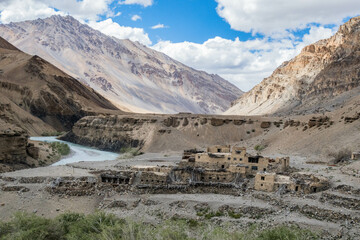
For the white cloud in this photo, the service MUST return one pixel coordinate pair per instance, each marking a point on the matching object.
(144, 3)
(244, 63)
(135, 18)
(158, 26)
(111, 28)
(111, 14)
(84, 10)
(20, 10)
(269, 17)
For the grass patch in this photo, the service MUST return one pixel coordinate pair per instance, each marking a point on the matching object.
(128, 152)
(234, 214)
(62, 148)
(284, 232)
(258, 148)
(102, 226)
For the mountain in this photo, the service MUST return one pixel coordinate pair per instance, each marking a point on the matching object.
(321, 78)
(37, 97)
(132, 76)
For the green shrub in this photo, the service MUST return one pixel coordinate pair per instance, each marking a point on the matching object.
(29, 226)
(234, 215)
(128, 152)
(102, 226)
(286, 233)
(62, 148)
(258, 148)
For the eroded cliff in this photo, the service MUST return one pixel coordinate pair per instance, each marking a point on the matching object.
(321, 78)
(157, 133)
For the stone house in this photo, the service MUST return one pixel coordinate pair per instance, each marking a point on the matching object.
(220, 164)
(296, 182)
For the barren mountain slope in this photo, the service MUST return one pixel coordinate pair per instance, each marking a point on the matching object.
(318, 79)
(129, 74)
(312, 136)
(36, 96)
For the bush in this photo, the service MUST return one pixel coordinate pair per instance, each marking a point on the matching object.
(128, 152)
(286, 233)
(102, 226)
(258, 148)
(62, 148)
(234, 214)
(30, 226)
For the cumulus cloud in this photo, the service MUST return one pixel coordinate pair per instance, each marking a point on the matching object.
(20, 10)
(244, 63)
(111, 28)
(85, 9)
(144, 3)
(274, 17)
(158, 26)
(135, 18)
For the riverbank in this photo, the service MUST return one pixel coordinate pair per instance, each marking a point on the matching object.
(78, 153)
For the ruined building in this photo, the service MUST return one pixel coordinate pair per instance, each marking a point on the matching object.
(296, 182)
(219, 166)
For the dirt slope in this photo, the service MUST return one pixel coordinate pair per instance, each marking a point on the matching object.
(37, 96)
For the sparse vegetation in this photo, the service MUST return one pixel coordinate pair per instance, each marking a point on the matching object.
(62, 148)
(234, 214)
(128, 152)
(258, 148)
(104, 226)
(342, 155)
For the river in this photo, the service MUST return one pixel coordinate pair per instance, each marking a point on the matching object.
(79, 153)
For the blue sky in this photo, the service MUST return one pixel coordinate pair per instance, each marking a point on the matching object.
(243, 41)
(194, 20)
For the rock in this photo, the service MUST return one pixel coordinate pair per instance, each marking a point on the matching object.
(15, 189)
(117, 204)
(217, 122)
(265, 124)
(32, 151)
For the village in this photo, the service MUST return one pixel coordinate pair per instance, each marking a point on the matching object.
(222, 166)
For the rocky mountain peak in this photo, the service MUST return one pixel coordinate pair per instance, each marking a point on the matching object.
(315, 80)
(131, 75)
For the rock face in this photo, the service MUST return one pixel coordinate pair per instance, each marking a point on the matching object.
(320, 78)
(129, 74)
(157, 133)
(36, 96)
(15, 151)
(13, 144)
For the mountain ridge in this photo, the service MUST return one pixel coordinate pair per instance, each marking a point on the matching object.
(127, 73)
(37, 96)
(319, 79)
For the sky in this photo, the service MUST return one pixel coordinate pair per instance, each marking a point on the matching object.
(243, 41)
